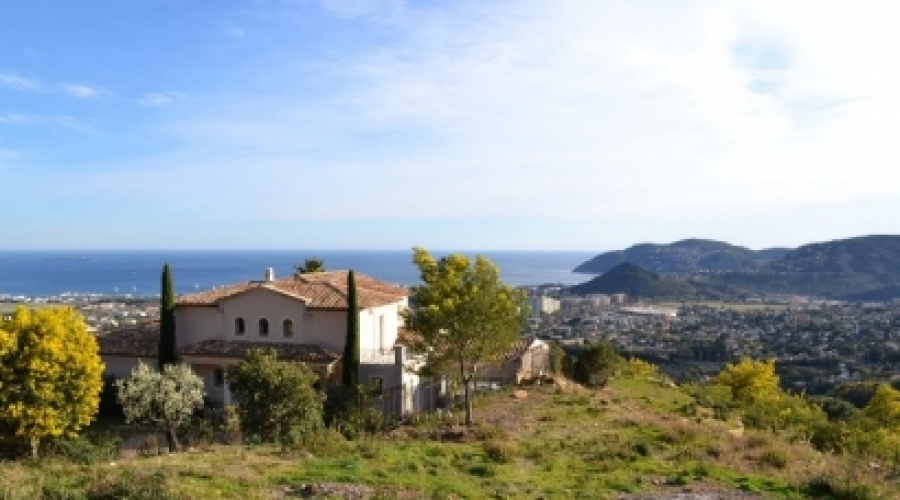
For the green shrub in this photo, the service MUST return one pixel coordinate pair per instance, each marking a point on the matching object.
(840, 489)
(352, 410)
(641, 448)
(829, 437)
(129, 483)
(481, 470)
(276, 399)
(55, 488)
(774, 458)
(500, 452)
(231, 429)
(82, 451)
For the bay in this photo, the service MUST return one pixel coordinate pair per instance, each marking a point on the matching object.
(137, 273)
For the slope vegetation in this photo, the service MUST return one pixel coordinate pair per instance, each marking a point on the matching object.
(690, 255)
(633, 440)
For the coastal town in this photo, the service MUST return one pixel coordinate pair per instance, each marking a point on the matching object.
(817, 344)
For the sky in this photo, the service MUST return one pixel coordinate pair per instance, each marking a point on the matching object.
(468, 124)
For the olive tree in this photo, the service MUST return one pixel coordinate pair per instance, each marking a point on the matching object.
(165, 400)
(465, 315)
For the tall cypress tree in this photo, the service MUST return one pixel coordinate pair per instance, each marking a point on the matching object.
(350, 373)
(166, 354)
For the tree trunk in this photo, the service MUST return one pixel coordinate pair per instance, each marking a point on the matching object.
(467, 381)
(172, 438)
(34, 447)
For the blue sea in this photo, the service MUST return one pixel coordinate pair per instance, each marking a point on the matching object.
(137, 273)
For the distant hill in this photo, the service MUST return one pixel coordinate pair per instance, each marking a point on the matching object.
(860, 269)
(635, 281)
(866, 254)
(690, 255)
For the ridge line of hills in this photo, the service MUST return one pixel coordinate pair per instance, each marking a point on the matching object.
(865, 268)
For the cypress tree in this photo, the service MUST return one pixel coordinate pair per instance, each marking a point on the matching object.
(166, 353)
(350, 373)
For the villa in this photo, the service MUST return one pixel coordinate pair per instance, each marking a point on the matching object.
(303, 317)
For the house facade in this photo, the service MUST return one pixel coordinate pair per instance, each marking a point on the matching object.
(528, 359)
(303, 317)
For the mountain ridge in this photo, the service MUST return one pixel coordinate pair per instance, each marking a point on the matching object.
(858, 268)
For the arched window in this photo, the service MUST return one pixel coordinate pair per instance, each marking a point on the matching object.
(287, 328)
(239, 326)
(263, 327)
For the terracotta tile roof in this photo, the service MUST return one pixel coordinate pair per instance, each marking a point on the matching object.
(322, 290)
(307, 353)
(141, 341)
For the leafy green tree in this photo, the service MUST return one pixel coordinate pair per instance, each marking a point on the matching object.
(595, 364)
(165, 400)
(276, 399)
(350, 361)
(166, 353)
(557, 358)
(750, 381)
(311, 265)
(50, 374)
(884, 407)
(465, 315)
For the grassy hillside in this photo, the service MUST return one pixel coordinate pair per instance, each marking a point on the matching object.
(632, 440)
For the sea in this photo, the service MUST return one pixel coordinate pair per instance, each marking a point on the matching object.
(31, 274)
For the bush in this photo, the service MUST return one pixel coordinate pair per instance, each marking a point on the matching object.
(641, 448)
(841, 489)
(130, 483)
(352, 411)
(82, 451)
(500, 452)
(55, 488)
(231, 429)
(829, 437)
(595, 364)
(774, 458)
(276, 399)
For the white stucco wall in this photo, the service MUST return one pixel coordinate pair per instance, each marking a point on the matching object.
(193, 324)
(378, 325)
(261, 303)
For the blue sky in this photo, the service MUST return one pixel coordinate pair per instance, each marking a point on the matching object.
(364, 124)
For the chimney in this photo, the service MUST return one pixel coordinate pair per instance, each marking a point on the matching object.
(270, 274)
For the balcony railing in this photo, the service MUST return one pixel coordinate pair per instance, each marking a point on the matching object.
(377, 356)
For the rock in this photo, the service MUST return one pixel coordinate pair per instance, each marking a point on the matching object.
(520, 394)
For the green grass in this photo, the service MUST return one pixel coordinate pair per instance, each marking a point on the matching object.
(556, 443)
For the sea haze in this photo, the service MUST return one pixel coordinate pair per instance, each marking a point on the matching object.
(50, 273)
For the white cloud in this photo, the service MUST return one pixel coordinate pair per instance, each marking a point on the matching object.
(232, 30)
(62, 121)
(81, 91)
(160, 98)
(598, 108)
(650, 117)
(356, 8)
(16, 81)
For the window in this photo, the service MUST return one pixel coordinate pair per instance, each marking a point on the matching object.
(239, 326)
(218, 377)
(263, 327)
(287, 328)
